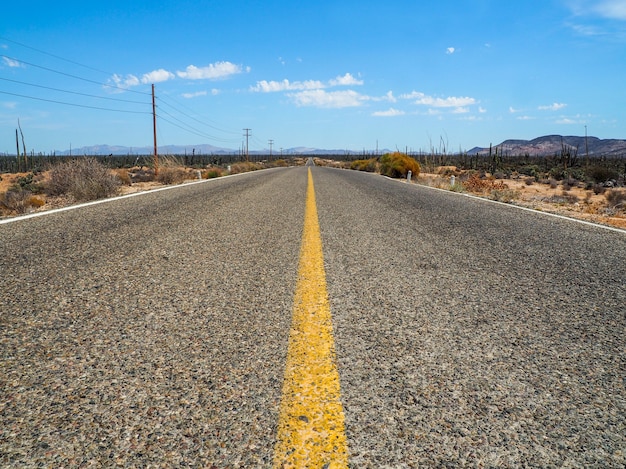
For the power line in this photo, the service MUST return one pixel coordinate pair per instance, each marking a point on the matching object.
(193, 118)
(55, 56)
(73, 76)
(191, 129)
(73, 92)
(74, 104)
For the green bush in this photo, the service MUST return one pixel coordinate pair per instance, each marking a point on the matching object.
(397, 165)
(84, 179)
(369, 165)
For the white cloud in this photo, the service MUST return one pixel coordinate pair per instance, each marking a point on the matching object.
(461, 110)
(124, 82)
(215, 91)
(482, 110)
(552, 107)
(328, 99)
(345, 80)
(9, 104)
(451, 101)
(386, 97)
(391, 112)
(194, 95)
(264, 86)
(450, 50)
(512, 110)
(566, 121)
(524, 118)
(216, 71)
(12, 63)
(157, 76)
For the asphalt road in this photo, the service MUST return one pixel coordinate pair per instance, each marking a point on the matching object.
(152, 331)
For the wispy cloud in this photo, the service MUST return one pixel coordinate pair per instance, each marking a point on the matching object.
(216, 71)
(566, 121)
(391, 112)
(9, 62)
(450, 50)
(328, 99)
(512, 110)
(552, 107)
(451, 101)
(613, 9)
(194, 95)
(124, 82)
(265, 86)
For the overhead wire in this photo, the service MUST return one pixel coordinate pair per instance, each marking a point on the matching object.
(193, 118)
(165, 102)
(74, 104)
(75, 92)
(106, 85)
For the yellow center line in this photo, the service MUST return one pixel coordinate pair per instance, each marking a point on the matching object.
(311, 423)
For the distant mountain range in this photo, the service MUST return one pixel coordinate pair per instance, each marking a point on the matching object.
(553, 144)
(200, 149)
(542, 146)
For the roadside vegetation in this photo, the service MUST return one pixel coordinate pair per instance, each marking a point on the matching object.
(591, 187)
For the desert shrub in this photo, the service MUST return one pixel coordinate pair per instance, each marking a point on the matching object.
(172, 175)
(529, 181)
(563, 199)
(397, 165)
(616, 198)
(84, 179)
(479, 185)
(142, 175)
(553, 183)
(124, 176)
(598, 189)
(529, 170)
(20, 201)
(504, 195)
(212, 173)
(600, 174)
(27, 183)
(244, 167)
(369, 165)
(280, 163)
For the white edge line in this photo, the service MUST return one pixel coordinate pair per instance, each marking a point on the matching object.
(540, 212)
(111, 199)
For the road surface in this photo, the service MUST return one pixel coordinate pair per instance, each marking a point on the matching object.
(154, 331)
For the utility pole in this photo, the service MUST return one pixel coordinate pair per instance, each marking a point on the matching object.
(271, 142)
(156, 155)
(586, 148)
(247, 135)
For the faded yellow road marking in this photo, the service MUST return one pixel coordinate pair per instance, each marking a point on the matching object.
(311, 425)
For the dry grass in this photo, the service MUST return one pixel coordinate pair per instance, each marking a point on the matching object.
(84, 179)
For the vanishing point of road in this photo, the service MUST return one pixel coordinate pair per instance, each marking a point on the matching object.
(311, 317)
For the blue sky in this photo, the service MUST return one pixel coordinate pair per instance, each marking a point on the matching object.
(324, 74)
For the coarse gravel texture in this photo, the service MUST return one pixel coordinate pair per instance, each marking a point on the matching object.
(471, 334)
(152, 331)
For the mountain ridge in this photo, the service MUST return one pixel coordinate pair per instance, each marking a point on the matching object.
(541, 146)
(554, 144)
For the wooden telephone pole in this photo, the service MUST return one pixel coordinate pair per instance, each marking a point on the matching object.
(156, 154)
